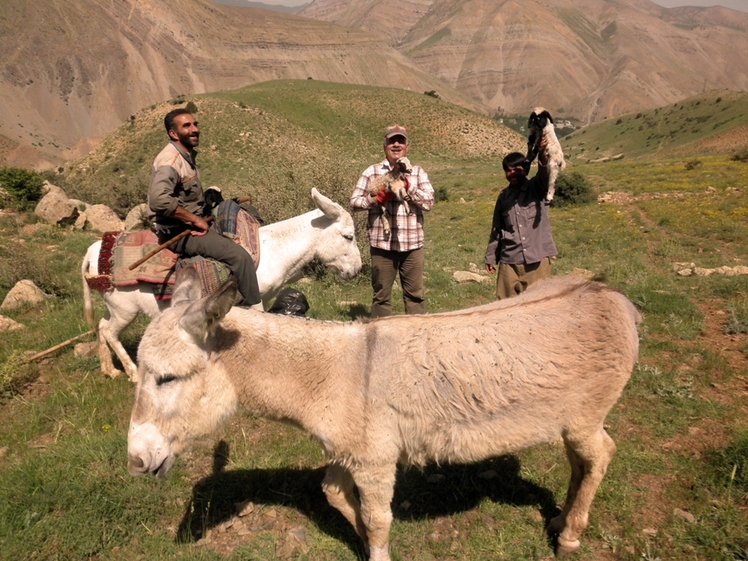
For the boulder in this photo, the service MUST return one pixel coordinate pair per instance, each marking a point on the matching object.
(463, 277)
(24, 292)
(7, 324)
(55, 207)
(135, 218)
(103, 219)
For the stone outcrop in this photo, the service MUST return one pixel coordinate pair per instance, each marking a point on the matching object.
(135, 218)
(24, 292)
(7, 324)
(103, 219)
(55, 207)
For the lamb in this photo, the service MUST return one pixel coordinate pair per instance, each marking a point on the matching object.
(539, 126)
(394, 183)
(452, 387)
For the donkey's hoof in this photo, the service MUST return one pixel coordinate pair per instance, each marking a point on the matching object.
(565, 548)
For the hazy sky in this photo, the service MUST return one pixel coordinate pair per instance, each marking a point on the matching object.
(741, 5)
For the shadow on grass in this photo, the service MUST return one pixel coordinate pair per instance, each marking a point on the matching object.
(433, 492)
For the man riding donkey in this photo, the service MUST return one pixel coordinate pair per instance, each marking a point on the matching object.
(176, 202)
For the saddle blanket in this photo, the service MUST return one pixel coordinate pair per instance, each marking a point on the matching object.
(119, 250)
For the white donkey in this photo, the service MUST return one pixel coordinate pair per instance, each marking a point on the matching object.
(454, 387)
(285, 248)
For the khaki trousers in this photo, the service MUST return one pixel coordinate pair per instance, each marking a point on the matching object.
(385, 265)
(514, 279)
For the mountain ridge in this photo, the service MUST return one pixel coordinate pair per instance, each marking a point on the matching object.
(78, 70)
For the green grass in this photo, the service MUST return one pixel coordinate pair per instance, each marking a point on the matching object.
(680, 425)
(693, 127)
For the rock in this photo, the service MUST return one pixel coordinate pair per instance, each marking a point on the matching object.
(687, 516)
(103, 219)
(584, 273)
(24, 292)
(56, 208)
(474, 268)
(685, 272)
(464, 277)
(135, 218)
(85, 350)
(7, 324)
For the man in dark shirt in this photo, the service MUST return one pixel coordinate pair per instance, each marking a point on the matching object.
(521, 241)
(176, 203)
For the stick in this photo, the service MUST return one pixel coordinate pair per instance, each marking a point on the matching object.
(163, 246)
(175, 239)
(53, 349)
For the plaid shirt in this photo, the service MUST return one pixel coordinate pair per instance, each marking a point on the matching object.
(406, 230)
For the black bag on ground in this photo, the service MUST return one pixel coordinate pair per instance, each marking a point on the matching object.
(290, 302)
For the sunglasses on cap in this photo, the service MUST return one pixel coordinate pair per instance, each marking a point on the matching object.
(397, 138)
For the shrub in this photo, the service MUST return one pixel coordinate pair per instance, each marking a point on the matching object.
(740, 155)
(431, 93)
(573, 189)
(191, 107)
(23, 187)
(693, 164)
(441, 194)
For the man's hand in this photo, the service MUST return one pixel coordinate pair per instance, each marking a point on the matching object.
(199, 227)
(490, 269)
(383, 196)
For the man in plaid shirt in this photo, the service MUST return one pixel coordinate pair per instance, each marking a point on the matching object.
(402, 251)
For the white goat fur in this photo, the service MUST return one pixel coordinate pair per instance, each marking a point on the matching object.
(286, 247)
(453, 387)
(540, 125)
(393, 183)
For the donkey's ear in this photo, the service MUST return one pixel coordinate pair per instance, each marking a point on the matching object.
(328, 207)
(202, 316)
(187, 287)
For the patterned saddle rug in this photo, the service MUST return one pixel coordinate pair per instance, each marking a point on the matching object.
(119, 250)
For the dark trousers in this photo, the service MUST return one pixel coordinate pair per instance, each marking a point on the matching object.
(514, 279)
(385, 265)
(222, 249)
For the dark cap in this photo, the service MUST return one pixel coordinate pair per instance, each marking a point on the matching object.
(395, 130)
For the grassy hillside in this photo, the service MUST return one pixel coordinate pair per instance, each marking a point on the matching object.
(676, 490)
(286, 137)
(711, 123)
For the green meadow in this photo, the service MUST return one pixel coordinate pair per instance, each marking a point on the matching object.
(669, 232)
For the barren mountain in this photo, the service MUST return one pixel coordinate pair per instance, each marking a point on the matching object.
(588, 59)
(74, 71)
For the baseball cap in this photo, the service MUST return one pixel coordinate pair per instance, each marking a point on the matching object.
(395, 130)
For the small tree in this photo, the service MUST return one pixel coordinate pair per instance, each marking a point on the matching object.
(23, 186)
(573, 189)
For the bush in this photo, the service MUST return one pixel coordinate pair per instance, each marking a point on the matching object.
(23, 187)
(693, 164)
(740, 155)
(573, 189)
(441, 194)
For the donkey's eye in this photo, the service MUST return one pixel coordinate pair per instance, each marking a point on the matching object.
(349, 237)
(165, 379)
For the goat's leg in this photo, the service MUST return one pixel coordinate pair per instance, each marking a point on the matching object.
(589, 458)
(552, 177)
(338, 487)
(385, 221)
(376, 485)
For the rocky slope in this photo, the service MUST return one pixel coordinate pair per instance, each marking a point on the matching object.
(589, 59)
(74, 71)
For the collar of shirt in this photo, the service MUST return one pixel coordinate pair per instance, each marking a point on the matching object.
(186, 155)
